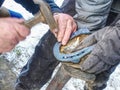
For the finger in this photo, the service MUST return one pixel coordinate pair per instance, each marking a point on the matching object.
(18, 37)
(105, 67)
(11, 36)
(14, 39)
(98, 68)
(94, 37)
(56, 17)
(22, 30)
(74, 26)
(68, 32)
(90, 40)
(62, 27)
(9, 48)
(19, 20)
(55, 32)
(14, 20)
(90, 62)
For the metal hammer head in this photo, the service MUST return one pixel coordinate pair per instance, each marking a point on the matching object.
(46, 13)
(38, 1)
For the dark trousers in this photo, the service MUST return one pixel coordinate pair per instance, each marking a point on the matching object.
(40, 66)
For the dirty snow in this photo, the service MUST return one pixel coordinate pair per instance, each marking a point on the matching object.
(25, 49)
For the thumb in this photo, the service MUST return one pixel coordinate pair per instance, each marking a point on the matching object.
(92, 38)
(87, 41)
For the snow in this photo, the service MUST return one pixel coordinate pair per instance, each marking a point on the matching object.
(22, 52)
(59, 2)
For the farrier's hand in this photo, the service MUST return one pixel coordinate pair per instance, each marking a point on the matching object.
(11, 32)
(106, 51)
(66, 26)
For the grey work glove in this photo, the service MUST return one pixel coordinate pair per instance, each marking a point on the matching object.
(77, 73)
(106, 51)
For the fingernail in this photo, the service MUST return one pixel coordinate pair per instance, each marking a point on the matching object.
(59, 40)
(56, 30)
(63, 43)
(55, 35)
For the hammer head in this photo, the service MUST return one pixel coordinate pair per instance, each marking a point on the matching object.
(46, 13)
(37, 1)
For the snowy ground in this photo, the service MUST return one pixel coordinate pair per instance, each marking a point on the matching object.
(24, 50)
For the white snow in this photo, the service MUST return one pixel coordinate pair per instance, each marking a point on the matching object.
(25, 49)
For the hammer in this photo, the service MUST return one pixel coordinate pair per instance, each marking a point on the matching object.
(44, 15)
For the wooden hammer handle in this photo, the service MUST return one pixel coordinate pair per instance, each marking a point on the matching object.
(29, 23)
(35, 20)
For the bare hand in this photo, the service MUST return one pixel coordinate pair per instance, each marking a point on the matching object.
(66, 26)
(11, 32)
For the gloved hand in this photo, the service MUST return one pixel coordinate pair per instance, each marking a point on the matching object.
(106, 51)
(77, 73)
